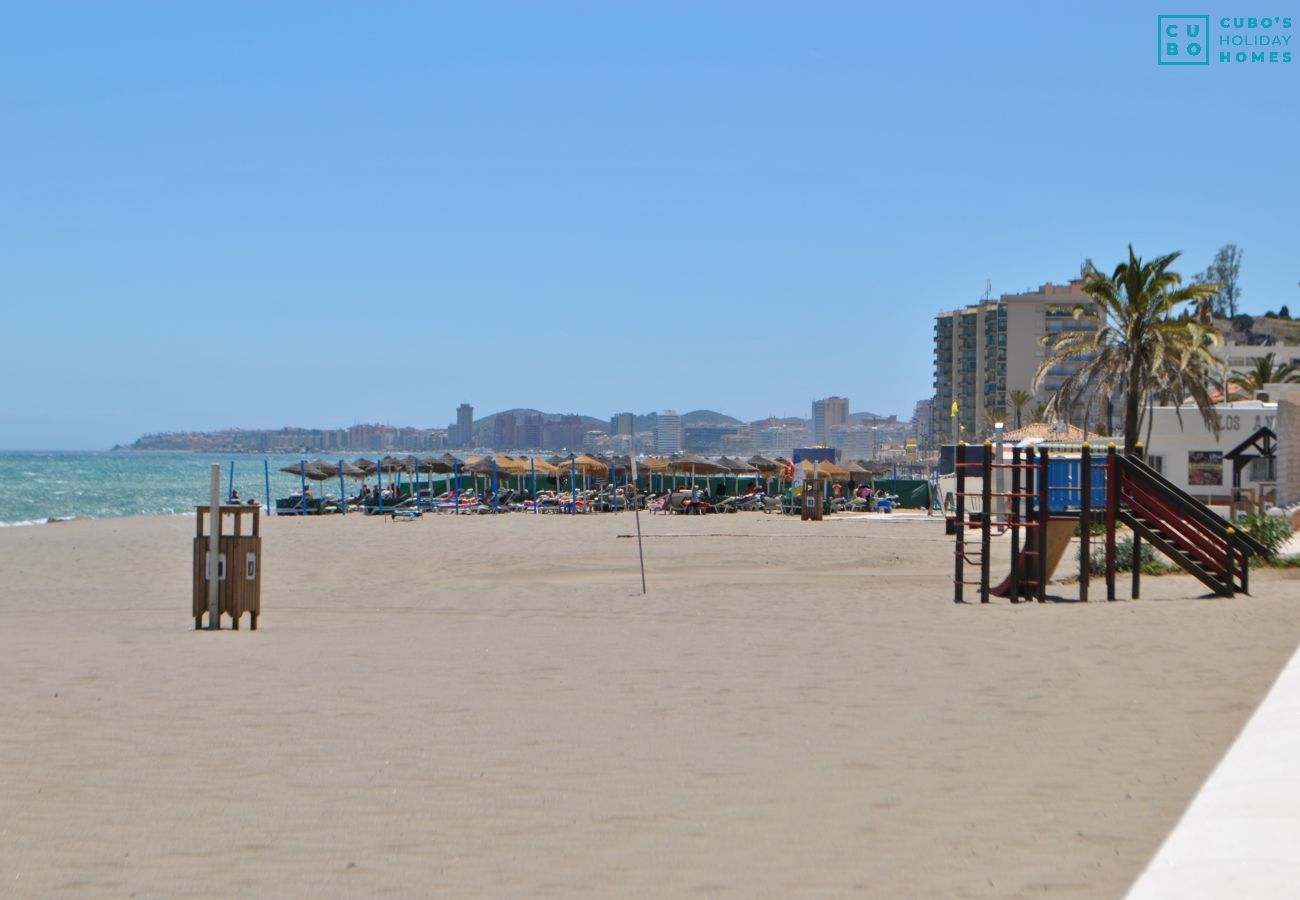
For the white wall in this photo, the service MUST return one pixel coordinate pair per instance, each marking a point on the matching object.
(1237, 421)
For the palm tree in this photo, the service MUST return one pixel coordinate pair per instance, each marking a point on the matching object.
(1265, 371)
(1019, 400)
(1141, 349)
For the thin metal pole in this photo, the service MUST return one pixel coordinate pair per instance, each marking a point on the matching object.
(573, 486)
(455, 474)
(636, 510)
(496, 492)
(343, 492)
(266, 473)
(379, 473)
(230, 486)
(302, 477)
(532, 464)
(214, 549)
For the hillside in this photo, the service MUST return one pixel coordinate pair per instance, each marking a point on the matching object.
(519, 414)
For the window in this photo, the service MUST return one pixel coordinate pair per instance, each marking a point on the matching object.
(1157, 462)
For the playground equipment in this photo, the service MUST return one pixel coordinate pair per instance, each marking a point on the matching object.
(1050, 497)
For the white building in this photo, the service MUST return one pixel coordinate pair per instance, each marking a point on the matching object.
(856, 441)
(1188, 453)
(668, 432)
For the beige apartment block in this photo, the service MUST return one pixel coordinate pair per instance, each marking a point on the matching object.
(984, 351)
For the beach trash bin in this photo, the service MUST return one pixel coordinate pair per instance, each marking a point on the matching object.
(239, 565)
(811, 508)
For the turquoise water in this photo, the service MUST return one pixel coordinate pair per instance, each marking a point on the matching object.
(38, 486)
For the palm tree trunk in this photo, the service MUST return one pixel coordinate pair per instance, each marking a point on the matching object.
(1132, 402)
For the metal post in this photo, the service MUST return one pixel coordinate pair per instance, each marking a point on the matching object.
(455, 474)
(230, 486)
(496, 491)
(573, 486)
(986, 520)
(1085, 520)
(214, 549)
(636, 512)
(959, 523)
(302, 490)
(266, 473)
(1112, 513)
(343, 492)
(532, 464)
(379, 474)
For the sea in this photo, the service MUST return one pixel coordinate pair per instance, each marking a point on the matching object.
(37, 487)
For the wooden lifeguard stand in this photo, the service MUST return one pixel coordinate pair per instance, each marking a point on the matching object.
(239, 566)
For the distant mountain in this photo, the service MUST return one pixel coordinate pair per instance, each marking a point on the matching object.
(702, 417)
(856, 418)
(519, 414)
(695, 419)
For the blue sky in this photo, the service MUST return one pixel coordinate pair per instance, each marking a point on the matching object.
(233, 214)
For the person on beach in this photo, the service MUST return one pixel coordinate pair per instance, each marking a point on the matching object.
(234, 497)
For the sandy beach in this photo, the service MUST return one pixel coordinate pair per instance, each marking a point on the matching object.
(487, 706)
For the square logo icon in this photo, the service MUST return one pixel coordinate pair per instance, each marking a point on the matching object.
(1184, 40)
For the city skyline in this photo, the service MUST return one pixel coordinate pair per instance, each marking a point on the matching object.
(209, 222)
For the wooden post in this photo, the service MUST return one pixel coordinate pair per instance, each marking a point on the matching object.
(986, 520)
(1013, 521)
(959, 523)
(1136, 592)
(1044, 514)
(1112, 513)
(1085, 520)
(214, 550)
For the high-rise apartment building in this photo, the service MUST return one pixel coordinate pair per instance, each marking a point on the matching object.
(533, 431)
(464, 425)
(622, 423)
(668, 432)
(923, 424)
(985, 351)
(827, 414)
(504, 428)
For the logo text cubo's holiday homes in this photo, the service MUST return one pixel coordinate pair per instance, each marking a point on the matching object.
(1198, 40)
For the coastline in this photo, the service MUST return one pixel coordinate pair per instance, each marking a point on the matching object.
(489, 705)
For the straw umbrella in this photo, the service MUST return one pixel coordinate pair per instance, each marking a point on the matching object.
(694, 464)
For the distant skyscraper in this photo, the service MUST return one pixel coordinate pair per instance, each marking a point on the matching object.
(827, 414)
(504, 431)
(622, 423)
(533, 431)
(464, 425)
(668, 432)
